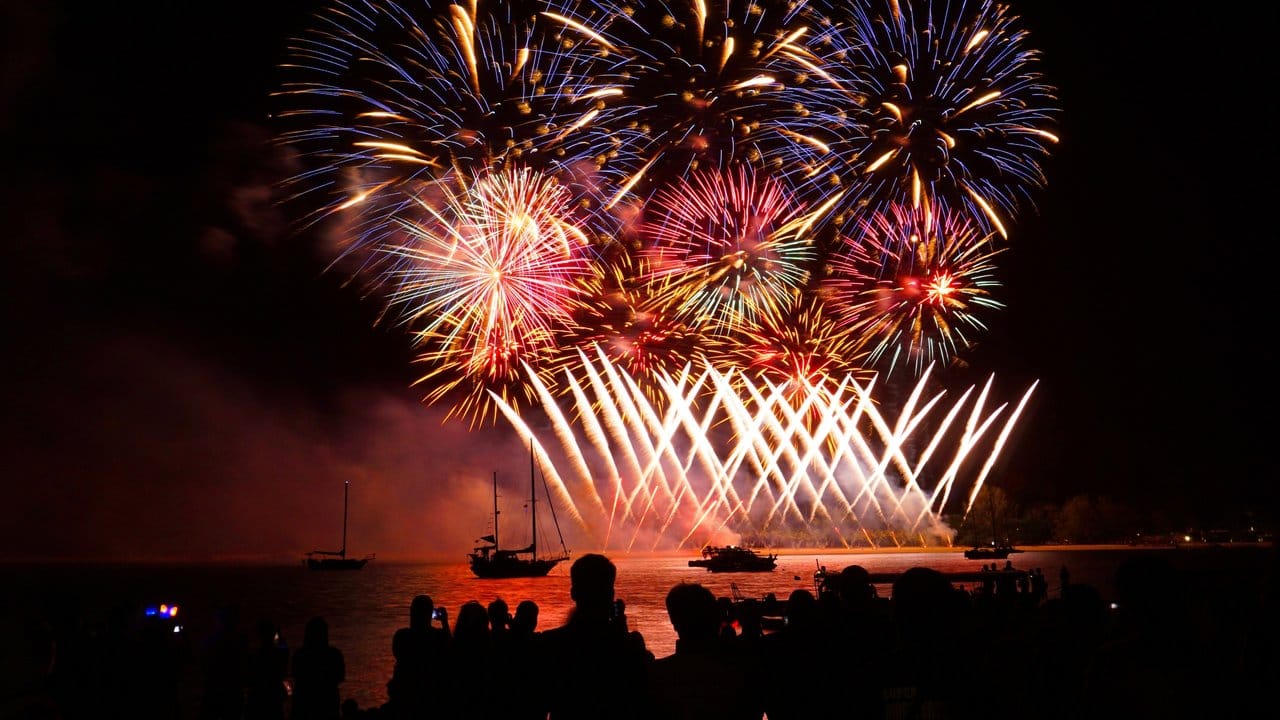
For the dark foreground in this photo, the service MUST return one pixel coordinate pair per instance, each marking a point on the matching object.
(1169, 642)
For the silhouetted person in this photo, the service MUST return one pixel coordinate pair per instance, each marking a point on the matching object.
(267, 670)
(516, 662)
(420, 650)
(156, 657)
(109, 678)
(706, 678)
(1147, 668)
(592, 666)
(499, 620)
(1039, 586)
(860, 632)
(801, 689)
(224, 655)
(920, 677)
(28, 651)
(471, 665)
(525, 622)
(1071, 628)
(318, 669)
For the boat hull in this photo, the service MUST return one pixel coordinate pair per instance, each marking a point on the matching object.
(734, 559)
(497, 570)
(337, 563)
(990, 553)
(712, 566)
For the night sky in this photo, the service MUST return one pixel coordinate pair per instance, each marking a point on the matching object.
(184, 379)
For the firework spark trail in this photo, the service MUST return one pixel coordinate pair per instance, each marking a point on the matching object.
(548, 467)
(826, 476)
(720, 493)
(595, 436)
(784, 439)
(565, 433)
(973, 432)
(500, 256)
(956, 107)
(1004, 436)
(615, 425)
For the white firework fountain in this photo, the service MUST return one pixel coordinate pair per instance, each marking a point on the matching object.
(721, 456)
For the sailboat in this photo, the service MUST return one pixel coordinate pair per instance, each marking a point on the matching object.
(337, 559)
(491, 561)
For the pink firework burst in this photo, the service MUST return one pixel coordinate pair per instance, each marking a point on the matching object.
(490, 278)
(726, 249)
(921, 279)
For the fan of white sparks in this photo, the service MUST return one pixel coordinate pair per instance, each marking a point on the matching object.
(722, 455)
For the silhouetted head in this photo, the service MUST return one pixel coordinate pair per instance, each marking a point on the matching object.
(921, 599)
(591, 579)
(499, 614)
(526, 617)
(694, 611)
(316, 633)
(802, 609)
(1083, 608)
(420, 611)
(855, 584)
(472, 625)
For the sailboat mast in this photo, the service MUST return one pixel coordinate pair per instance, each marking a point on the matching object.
(346, 493)
(495, 509)
(533, 504)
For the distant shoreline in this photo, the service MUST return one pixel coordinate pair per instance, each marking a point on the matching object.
(1024, 548)
(781, 552)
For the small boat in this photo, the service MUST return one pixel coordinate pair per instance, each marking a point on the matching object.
(337, 559)
(990, 552)
(997, 549)
(491, 561)
(731, 558)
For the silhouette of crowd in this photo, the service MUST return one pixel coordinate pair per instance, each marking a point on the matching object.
(1167, 648)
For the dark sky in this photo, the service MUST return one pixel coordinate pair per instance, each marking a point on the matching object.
(185, 380)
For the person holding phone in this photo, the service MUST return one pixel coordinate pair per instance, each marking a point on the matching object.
(420, 652)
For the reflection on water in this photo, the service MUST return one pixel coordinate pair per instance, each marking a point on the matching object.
(364, 608)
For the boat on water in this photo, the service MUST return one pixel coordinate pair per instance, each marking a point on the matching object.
(491, 561)
(337, 559)
(732, 558)
(997, 549)
(991, 552)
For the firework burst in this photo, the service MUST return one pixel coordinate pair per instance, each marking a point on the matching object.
(935, 280)
(955, 108)
(806, 345)
(687, 231)
(490, 278)
(382, 99)
(619, 317)
(727, 249)
(711, 83)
